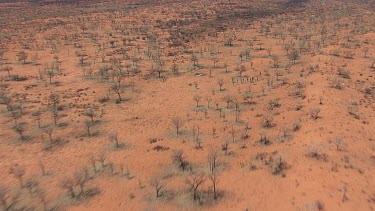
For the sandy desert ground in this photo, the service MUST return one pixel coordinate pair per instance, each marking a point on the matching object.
(187, 105)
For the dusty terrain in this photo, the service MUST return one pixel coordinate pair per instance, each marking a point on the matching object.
(187, 105)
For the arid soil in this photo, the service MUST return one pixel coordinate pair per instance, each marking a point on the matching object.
(187, 105)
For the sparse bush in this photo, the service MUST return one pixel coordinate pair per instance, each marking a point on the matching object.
(315, 151)
(263, 138)
(339, 142)
(268, 120)
(296, 125)
(338, 83)
(18, 172)
(314, 113)
(278, 163)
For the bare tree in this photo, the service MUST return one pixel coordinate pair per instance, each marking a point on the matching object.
(212, 159)
(226, 67)
(117, 90)
(174, 68)
(220, 81)
(276, 61)
(365, 51)
(38, 116)
(80, 179)
(158, 184)
(178, 123)
(339, 142)
(179, 159)
(214, 178)
(194, 182)
(55, 115)
(50, 74)
(215, 60)
(90, 112)
(49, 130)
(268, 120)
(8, 69)
(194, 59)
(293, 56)
(42, 167)
(2, 52)
(68, 185)
(54, 99)
(197, 99)
(225, 146)
(113, 137)
(88, 125)
(3, 197)
(240, 69)
(22, 56)
(208, 100)
(7, 201)
(20, 129)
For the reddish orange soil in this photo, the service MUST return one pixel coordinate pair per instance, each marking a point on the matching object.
(299, 129)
